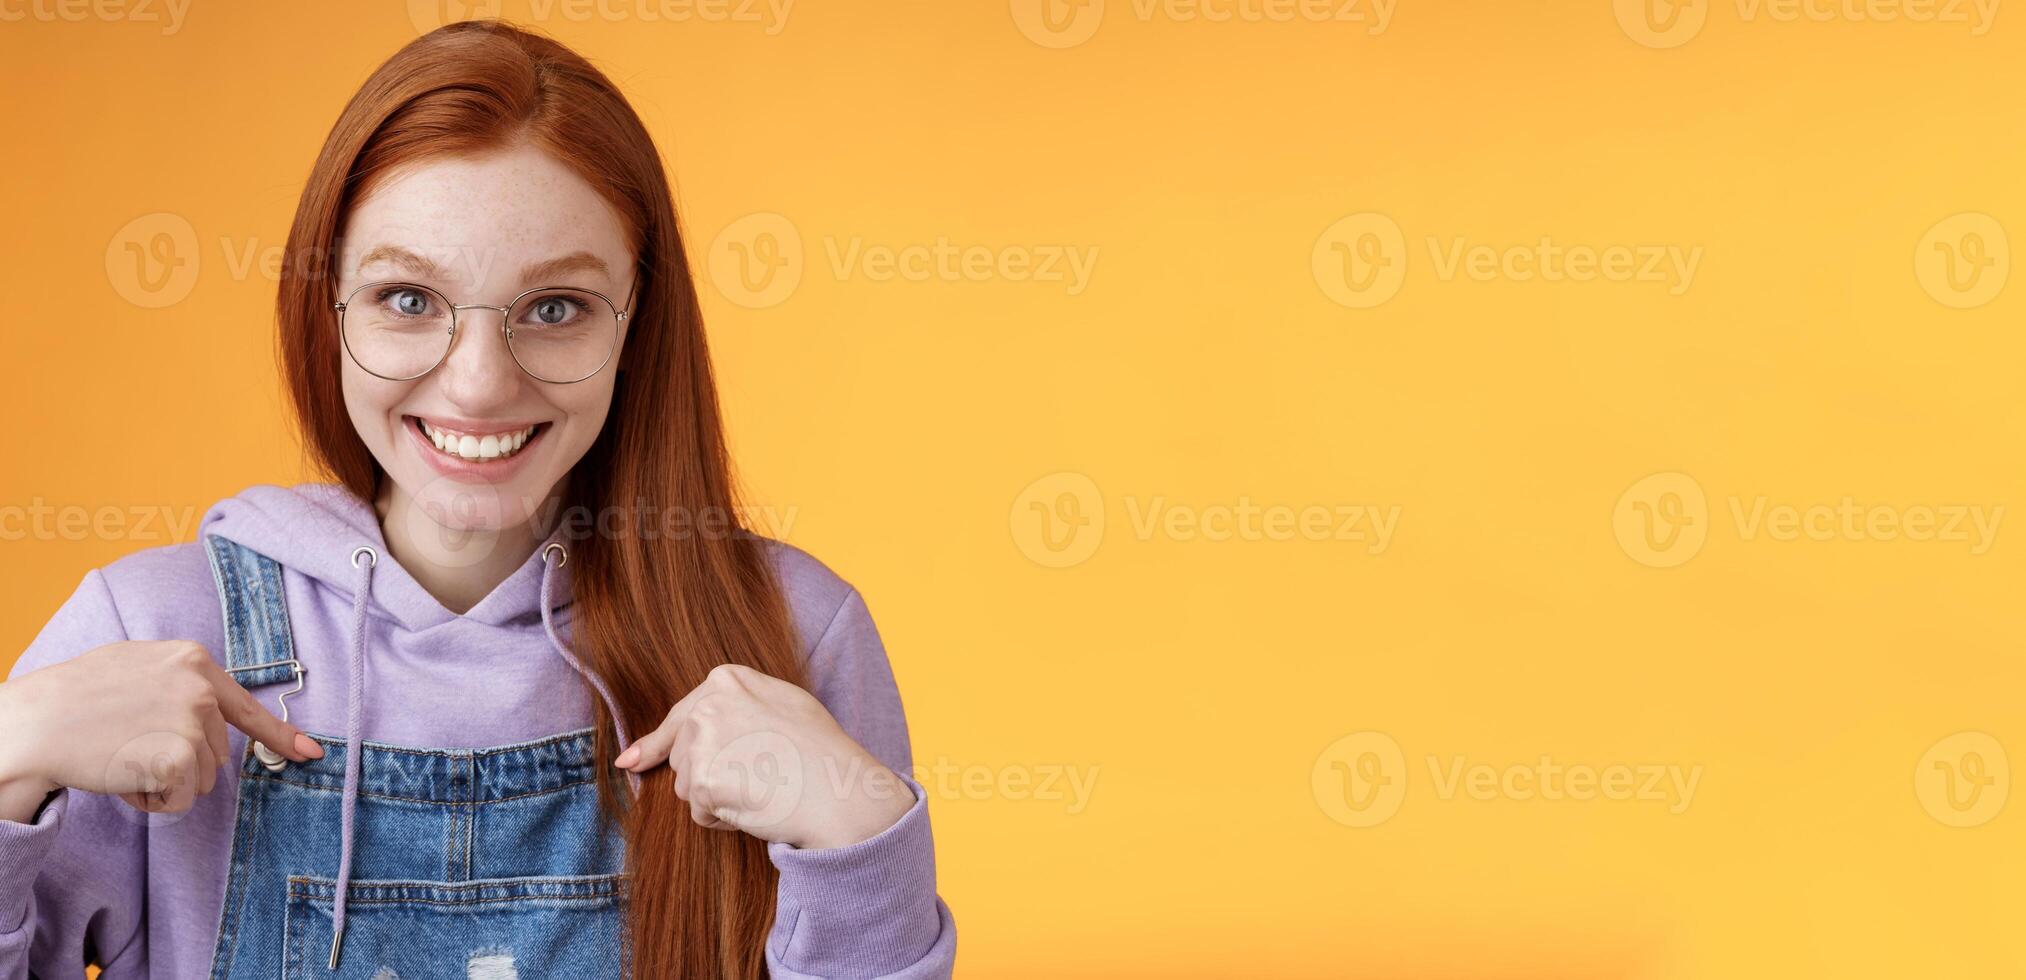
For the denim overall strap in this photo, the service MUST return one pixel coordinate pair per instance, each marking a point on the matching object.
(259, 647)
(492, 861)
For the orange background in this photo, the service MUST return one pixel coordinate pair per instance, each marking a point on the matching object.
(1523, 606)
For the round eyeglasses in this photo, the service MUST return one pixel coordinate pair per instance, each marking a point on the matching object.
(401, 331)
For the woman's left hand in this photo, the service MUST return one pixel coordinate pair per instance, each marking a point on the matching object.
(758, 754)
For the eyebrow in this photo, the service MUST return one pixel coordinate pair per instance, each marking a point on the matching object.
(554, 269)
(538, 273)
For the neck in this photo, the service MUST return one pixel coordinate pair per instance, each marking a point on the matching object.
(458, 567)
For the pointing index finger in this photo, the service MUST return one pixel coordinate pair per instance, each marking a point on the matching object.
(652, 749)
(245, 712)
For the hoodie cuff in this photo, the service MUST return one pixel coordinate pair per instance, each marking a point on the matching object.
(864, 909)
(24, 849)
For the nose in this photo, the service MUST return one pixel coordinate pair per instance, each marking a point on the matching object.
(480, 375)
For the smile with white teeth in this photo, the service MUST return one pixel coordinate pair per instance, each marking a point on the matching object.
(465, 445)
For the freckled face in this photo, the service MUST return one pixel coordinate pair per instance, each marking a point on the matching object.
(477, 441)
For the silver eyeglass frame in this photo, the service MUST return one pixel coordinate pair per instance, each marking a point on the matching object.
(506, 325)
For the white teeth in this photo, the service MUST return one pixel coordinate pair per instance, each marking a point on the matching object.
(494, 446)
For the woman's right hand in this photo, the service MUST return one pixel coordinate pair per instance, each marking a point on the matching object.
(141, 720)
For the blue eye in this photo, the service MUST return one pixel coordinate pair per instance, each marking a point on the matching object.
(405, 300)
(553, 310)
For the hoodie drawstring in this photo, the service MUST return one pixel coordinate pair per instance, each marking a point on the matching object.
(355, 711)
(355, 717)
(556, 640)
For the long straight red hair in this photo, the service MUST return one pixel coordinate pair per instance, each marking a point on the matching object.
(653, 612)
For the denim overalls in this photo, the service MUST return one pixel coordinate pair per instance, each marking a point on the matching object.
(487, 864)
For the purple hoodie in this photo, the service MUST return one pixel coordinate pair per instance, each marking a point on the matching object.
(143, 893)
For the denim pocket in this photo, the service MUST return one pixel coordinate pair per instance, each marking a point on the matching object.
(488, 929)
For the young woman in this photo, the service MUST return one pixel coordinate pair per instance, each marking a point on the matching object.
(376, 728)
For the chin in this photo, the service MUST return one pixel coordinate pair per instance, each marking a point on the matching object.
(456, 510)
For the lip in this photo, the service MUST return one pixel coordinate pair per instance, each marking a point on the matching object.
(475, 470)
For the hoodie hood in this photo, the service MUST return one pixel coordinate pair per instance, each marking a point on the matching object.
(314, 529)
(500, 672)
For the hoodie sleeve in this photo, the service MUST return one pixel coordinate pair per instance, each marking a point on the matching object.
(71, 882)
(869, 909)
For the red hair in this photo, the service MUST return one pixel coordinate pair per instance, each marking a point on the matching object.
(653, 612)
